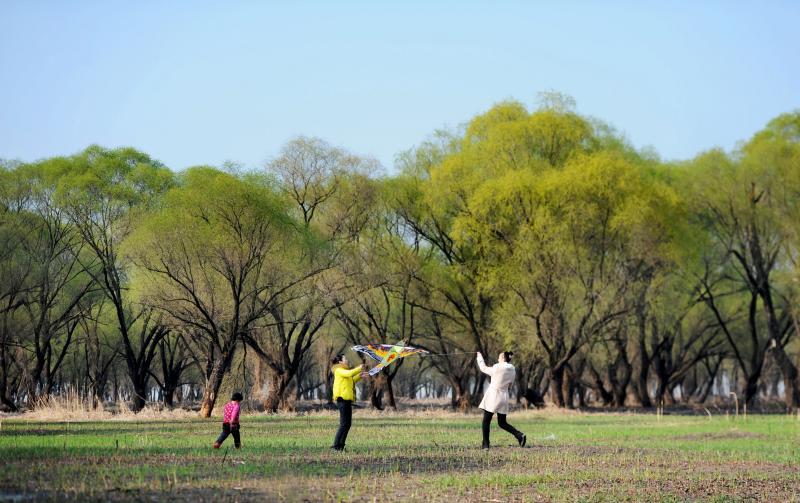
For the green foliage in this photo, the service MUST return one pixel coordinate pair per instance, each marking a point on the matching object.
(217, 229)
(122, 175)
(538, 228)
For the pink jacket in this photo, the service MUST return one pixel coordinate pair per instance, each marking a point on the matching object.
(230, 414)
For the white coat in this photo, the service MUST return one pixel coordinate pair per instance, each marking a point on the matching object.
(495, 398)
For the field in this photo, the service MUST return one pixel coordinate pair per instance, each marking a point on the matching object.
(406, 457)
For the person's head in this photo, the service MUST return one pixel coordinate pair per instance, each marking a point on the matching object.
(237, 397)
(505, 356)
(339, 359)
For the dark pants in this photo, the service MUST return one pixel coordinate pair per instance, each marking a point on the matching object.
(227, 429)
(345, 420)
(501, 420)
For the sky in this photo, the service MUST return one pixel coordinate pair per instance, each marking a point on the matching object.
(205, 83)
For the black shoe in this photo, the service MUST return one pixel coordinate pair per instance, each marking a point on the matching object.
(484, 447)
(522, 440)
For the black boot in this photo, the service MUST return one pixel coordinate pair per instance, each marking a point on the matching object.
(522, 439)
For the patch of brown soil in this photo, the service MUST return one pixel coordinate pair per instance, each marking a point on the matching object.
(724, 435)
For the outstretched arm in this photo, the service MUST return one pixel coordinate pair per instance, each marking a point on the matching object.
(360, 375)
(481, 365)
(348, 373)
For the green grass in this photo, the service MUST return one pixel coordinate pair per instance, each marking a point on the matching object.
(574, 457)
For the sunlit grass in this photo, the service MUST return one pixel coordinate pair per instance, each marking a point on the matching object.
(595, 457)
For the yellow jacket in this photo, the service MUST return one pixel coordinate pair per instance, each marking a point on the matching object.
(344, 381)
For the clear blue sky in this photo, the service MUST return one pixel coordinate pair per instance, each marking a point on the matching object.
(195, 83)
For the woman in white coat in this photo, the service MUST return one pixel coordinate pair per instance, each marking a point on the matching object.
(495, 399)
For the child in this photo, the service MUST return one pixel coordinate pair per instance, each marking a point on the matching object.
(230, 422)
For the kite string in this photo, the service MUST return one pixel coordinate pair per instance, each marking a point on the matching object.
(446, 354)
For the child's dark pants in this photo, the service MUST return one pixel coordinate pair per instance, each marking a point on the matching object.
(228, 429)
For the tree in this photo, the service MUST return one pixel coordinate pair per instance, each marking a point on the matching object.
(680, 337)
(330, 191)
(101, 190)
(564, 248)
(174, 362)
(309, 170)
(742, 199)
(16, 267)
(445, 181)
(58, 281)
(771, 163)
(382, 310)
(99, 344)
(214, 258)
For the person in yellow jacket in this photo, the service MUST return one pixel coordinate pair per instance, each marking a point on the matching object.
(344, 393)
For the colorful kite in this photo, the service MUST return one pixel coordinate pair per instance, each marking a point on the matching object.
(385, 354)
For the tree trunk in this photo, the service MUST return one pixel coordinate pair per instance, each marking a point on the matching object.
(569, 388)
(710, 378)
(329, 387)
(790, 381)
(169, 396)
(688, 387)
(581, 390)
(640, 385)
(94, 390)
(139, 393)
(375, 390)
(602, 393)
(389, 392)
(213, 383)
(461, 399)
(8, 403)
(751, 389)
(644, 361)
(619, 393)
(278, 384)
(621, 380)
(662, 383)
(4, 395)
(557, 386)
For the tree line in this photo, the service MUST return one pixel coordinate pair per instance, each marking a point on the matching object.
(617, 278)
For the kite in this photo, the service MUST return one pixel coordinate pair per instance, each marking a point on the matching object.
(385, 354)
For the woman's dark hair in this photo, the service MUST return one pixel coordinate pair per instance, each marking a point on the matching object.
(337, 359)
(237, 397)
(507, 355)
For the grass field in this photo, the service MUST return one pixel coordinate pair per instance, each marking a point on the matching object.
(396, 457)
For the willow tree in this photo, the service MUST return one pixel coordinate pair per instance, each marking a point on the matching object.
(16, 267)
(772, 160)
(100, 191)
(564, 248)
(330, 192)
(445, 182)
(744, 199)
(382, 308)
(214, 257)
(59, 284)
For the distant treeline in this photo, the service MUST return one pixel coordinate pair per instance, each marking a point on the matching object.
(616, 278)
